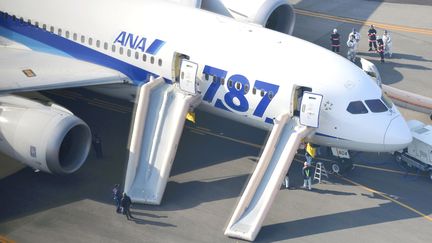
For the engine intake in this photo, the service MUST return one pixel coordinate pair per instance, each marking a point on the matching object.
(277, 15)
(48, 138)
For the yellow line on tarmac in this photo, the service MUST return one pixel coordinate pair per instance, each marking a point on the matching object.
(427, 217)
(382, 169)
(365, 22)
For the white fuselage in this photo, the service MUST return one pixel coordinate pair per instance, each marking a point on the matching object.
(245, 72)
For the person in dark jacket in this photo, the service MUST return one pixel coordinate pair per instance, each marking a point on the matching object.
(117, 196)
(126, 203)
(372, 38)
(381, 49)
(335, 41)
(307, 176)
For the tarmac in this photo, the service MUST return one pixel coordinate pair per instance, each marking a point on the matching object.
(378, 201)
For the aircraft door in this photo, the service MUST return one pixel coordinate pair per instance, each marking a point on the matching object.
(310, 108)
(188, 76)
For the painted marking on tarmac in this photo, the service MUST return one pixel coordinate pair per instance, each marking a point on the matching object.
(365, 22)
(3, 239)
(386, 170)
(224, 137)
(391, 198)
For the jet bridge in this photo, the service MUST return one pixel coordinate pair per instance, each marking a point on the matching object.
(156, 130)
(267, 178)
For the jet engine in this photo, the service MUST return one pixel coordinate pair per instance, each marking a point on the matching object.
(46, 137)
(277, 15)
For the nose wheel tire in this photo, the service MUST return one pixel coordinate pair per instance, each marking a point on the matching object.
(335, 167)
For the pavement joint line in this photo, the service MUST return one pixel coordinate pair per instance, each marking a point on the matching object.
(387, 197)
(365, 22)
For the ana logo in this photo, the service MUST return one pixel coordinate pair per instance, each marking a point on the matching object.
(135, 42)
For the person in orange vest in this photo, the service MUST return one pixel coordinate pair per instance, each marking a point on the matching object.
(335, 41)
(372, 37)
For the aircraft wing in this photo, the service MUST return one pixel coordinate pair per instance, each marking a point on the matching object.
(24, 69)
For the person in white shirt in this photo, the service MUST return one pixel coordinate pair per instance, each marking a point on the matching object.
(387, 43)
(352, 48)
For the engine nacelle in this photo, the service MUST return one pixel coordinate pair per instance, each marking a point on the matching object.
(47, 138)
(277, 15)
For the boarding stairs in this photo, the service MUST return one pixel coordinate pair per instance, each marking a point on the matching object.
(267, 177)
(157, 126)
(320, 171)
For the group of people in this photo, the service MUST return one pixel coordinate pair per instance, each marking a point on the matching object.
(382, 45)
(122, 201)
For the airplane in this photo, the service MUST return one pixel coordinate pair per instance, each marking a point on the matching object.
(236, 58)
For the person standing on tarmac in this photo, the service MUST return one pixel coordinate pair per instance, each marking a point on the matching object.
(307, 176)
(352, 48)
(381, 48)
(387, 43)
(116, 193)
(126, 203)
(372, 38)
(356, 37)
(335, 41)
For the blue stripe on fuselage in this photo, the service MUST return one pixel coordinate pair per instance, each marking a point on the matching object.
(42, 40)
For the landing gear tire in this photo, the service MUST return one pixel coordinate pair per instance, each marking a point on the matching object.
(430, 175)
(335, 167)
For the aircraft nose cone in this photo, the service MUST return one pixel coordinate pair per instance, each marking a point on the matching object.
(398, 135)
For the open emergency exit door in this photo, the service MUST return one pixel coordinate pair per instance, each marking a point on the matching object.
(188, 73)
(310, 108)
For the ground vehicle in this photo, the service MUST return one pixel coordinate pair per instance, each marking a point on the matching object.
(418, 154)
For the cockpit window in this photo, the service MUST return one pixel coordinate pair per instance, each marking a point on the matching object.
(376, 105)
(357, 107)
(387, 101)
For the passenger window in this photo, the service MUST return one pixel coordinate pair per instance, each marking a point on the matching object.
(253, 90)
(106, 46)
(136, 55)
(67, 34)
(82, 39)
(222, 81)
(206, 77)
(59, 32)
(152, 60)
(160, 62)
(357, 107)
(376, 105)
(44, 26)
(270, 95)
(21, 20)
(113, 48)
(37, 24)
(121, 50)
(52, 29)
(129, 52)
(144, 57)
(90, 41)
(75, 36)
(246, 88)
(230, 83)
(98, 43)
(238, 85)
(262, 93)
